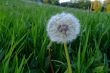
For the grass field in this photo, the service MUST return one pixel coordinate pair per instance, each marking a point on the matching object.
(24, 40)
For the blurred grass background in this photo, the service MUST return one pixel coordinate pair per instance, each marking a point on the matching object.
(24, 41)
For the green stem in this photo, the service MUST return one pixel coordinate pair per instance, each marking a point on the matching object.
(49, 45)
(68, 59)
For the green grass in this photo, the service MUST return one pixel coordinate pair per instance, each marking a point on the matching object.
(24, 41)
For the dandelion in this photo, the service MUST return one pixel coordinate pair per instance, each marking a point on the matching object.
(63, 28)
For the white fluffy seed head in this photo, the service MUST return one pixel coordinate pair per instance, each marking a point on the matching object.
(63, 27)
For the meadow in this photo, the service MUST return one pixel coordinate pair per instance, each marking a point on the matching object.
(24, 40)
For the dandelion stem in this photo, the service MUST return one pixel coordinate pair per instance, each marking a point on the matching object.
(67, 57)
(49, 51)
(49, 45)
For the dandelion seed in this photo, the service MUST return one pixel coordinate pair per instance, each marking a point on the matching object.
(63, 27)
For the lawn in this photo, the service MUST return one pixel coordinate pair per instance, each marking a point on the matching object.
(24, 40)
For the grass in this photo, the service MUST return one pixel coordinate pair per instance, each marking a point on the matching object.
(24, 41)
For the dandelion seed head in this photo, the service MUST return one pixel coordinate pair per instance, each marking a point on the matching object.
(63, 27)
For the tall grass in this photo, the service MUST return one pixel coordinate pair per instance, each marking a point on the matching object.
(24, 41)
